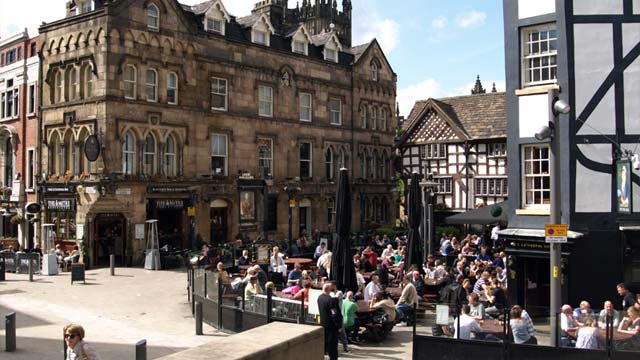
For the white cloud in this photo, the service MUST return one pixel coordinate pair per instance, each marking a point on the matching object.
(439, 23)
(16, 15)
(368, 25)
(429, 88)
(471, 19)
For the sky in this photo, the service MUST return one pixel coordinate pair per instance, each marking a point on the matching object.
(436, 47)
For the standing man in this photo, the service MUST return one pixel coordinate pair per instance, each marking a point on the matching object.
(331, 320)
(627, 297)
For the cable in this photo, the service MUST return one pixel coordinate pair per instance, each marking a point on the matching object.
(620, 148)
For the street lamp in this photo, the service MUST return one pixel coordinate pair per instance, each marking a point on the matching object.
(292, 187)
(428, 186)
(551, 133)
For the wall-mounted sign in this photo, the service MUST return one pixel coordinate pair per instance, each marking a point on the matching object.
(168, 204)
(58, 189)
(92, 147)
(247, 206)
(166, 189)
(123, 191)
(60, 204)
(623, 186)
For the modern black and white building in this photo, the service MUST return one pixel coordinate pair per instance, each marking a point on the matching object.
(588, 50)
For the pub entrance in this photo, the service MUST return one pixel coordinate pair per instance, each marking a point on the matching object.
(171, 216)
(219, 222)
(109, 238)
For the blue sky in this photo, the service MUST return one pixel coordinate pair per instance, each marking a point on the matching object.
(436, 47)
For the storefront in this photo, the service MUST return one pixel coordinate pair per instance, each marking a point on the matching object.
(110, 237)
(169, 206)
(630, 234)
(60, 210)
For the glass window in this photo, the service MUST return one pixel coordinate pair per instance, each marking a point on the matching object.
(539, 55)
(218, 94)
(88, 81)
(433, 151)
(31, 105)
(58, 90)
(491, 187)
(214, 25)
(305, 160)
(219, 154)
(30, 169)
(329, 168)
(299, 47)
(265, 157)
(265, 101)
(128, 154)
(374, 120)
(170, 157)
(7, 167)
(149, 155)
(363, 117)
(152, 85)
(383, 119)
(335, 111)
(374, 71)
(153, 17)
(130, 82)
(444, 185)
(331, 55)
(305, 107)
(73, 84)
(172, 88)
(537, 187)
(260, 37)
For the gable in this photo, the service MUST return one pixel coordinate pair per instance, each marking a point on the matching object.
(172, 15)
(373, 52)
(433, 128)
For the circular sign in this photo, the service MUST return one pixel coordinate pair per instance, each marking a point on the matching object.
(92, 148)
(33, 208)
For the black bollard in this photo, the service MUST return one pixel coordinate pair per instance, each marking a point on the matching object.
(10, 332)
(29, 257)
(141, 350)
(198, 318)
(112, 264)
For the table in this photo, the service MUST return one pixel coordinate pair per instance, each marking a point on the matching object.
(394, 292)
(492, 327)
(621, 341)
(301, 261)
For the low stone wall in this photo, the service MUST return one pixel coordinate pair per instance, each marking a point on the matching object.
(274, 341)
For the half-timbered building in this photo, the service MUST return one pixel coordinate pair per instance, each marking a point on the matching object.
(462, 142)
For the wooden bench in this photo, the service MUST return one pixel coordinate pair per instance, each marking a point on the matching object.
(377, 332)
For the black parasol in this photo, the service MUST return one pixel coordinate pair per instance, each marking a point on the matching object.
(342, 267)
(414, 212)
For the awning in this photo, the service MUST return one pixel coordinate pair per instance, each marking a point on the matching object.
(629, 227)
(481, 216)
(536, 233)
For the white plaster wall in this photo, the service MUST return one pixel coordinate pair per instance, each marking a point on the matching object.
(531, 8)
(636, 6)
(593, 49)
(532, 114)
(632, 105)
(593, 191)
(597, 7)
(630, 37)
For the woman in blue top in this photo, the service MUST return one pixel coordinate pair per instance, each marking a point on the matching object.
(522, 329)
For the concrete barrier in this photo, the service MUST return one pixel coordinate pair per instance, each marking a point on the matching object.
(273, 341)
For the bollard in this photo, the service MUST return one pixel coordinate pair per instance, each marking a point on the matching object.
(198, 318)
(29, 257)
(112, 264)
(10, 332)
(141, 350)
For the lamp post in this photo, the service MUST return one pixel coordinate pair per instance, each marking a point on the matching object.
(292, 188)
(552, 133)
(427, 186)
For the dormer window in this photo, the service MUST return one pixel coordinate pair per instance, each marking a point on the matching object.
(214, 25)
(300, 40)
(331, 55)
(153, 17)
(260, 37)
(299, 47)
(261, 31)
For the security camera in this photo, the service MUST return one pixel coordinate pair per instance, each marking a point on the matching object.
(636, 161)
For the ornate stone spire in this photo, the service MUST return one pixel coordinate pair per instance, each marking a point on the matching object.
(493, 89)
(478, 89)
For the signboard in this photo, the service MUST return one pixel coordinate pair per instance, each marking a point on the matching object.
(92, 148)
(623, 186)
(314, 294)
(555, 233)
(171, 204)
(123, 191)
(79, 231)
(191, 211)
(58, 189)
(166, 189)
(60, 204)
(247, 206)
(77, 273)
(442, 314)
(292, 203)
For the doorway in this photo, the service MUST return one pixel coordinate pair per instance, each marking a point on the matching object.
(304, 217)
(535, 282)
(219, 225)
(109, 238)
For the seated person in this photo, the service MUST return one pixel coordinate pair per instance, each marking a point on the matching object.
(319, 250)
(244, 259)
(476, 309)
(418, 283)
(446, 248)
(579, 314)
(568, 325)
(252, 289)
(294, 275)
(223, 275)
(586, 338)
(466, 324)
(372, 288)
(497, 299)
(371, 257)
(36, 249)
(383, 302)
(387, 252)
(304, 292)
(59, 253)
(631, 323)
(483, 255)
(608, 311)
(73, 257)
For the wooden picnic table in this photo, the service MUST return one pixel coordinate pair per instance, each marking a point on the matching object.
(492, 327)
(301, 261)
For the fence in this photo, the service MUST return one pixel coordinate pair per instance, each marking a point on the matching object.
(434, 339)
(225, 306)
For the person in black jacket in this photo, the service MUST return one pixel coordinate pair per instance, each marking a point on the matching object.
(331, 320)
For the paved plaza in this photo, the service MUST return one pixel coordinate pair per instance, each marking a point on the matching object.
(118, 311)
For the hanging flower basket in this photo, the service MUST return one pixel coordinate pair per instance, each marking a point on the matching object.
(17, 219)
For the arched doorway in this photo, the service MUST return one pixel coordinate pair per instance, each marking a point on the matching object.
(110, 231)
(219, 220)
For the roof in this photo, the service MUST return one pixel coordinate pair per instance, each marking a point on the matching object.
(478, 116)
(321, 39)
(358, 50)
(249, 21)
(200, 8)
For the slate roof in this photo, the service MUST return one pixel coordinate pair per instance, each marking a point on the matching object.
(479, 116)
(358, 50)
(198, 9)
(321, 39)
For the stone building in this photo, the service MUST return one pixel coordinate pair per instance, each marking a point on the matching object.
(203, 119)
(19, 67)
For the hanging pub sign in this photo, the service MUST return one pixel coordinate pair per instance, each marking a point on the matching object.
(623, 186)
(60, 204)
(92, 147)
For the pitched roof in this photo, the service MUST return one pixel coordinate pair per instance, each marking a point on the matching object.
(198, 9)
(358, 50)
(479, 116)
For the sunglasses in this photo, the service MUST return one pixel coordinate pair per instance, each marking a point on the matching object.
(69, 336)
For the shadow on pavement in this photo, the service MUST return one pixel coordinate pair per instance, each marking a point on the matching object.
(22, 320)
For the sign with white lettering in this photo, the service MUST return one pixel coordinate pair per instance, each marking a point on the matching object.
(60, 204)
(555, 233)
(169, 204)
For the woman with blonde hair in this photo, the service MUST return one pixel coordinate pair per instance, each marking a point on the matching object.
(77, 349)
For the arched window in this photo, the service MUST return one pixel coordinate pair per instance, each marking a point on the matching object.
(328, 159)
(363, 117)
(383, 119)
(172, 88)
(153, 17)
(59, 91)
(380, 170)
(7, 160)
(73, 84)
(149, 155)
(88, 81)
(61, 157)
(130, 74)
(152, 85)
(170, 157)
(374, 114)
(129, 154)
(374, 71)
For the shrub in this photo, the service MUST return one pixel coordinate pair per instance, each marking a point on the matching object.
(449, 230)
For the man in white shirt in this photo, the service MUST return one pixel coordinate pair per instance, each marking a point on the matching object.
(387, 252)
(277, 262)
(608, 310)
(372, 288)
(568, 325)
(319, 250)
(467, 325)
